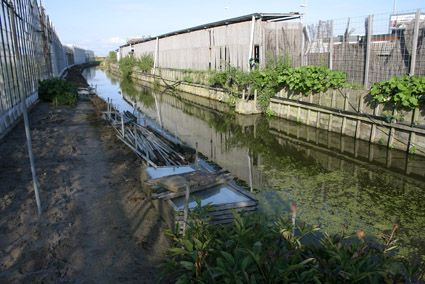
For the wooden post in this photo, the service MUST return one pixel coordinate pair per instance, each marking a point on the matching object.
(330, 122)
(412, 135)
(344, 119)
(255, 96)
(389, 158)
(368, 44)
(288, 110)
(19, 72)
(342, 144)
(371, 152)
(310, 100)
(298, 113)
(359, 123)
(373, 127)
(243, 94)
(356, 148)
(318, 119)
(415, 42)
(332, 106)
(331, 46)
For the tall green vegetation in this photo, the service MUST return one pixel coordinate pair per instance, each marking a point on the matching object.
(112, 57)
(268, 81)
(57, 91)
(254, 249)
(128, 63)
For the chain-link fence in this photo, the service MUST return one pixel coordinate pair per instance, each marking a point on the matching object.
(369, 49)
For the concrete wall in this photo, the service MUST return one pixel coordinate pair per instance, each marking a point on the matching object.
(348, 113)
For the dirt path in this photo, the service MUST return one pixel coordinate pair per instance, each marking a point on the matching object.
(96, 225)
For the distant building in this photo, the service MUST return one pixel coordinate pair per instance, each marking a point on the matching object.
(241, 42)
(80, 55)
(402, 20)
(90, 57)
(69, 53)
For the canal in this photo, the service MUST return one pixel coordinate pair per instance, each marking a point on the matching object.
(337, 182)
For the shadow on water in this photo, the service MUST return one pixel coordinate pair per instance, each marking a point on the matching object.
(338, 182)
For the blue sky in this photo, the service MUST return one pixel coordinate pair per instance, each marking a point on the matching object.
(103, 25)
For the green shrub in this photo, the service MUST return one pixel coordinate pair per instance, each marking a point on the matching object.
(144, 64)
(254, 249)
(126, 65)
(112, 57)
(404, 93)
(188, 79)
(57, 91)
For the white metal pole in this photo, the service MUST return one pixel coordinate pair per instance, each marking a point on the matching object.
(24, 107)
(368, 46)
(250, 172)
(155, 62)
(251, 42)
(415, 43)
(186, 207)
(122, 125)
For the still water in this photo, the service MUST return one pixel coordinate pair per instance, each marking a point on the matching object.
(337, 182)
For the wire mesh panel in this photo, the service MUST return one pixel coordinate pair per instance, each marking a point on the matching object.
(349, 48)
(367, 48)
(317, 44)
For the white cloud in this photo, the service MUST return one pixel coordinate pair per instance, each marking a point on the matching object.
(115, 40)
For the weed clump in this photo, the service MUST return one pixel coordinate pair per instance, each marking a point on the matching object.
(58, 91)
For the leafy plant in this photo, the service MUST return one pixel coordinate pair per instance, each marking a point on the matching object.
(254, 249)
(403, 93)
(268, 81)
(58, 91)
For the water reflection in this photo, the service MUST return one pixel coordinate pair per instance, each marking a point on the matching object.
(338, 182)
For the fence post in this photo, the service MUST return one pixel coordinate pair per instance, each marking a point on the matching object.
(302, 61)
(331, 46)
(368, 44)
(415, 43)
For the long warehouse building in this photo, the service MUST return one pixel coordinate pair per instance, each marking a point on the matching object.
(240, 42)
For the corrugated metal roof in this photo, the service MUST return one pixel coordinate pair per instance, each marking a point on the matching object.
(272, 17)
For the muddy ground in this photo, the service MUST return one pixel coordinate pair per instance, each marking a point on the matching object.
(96, 226)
